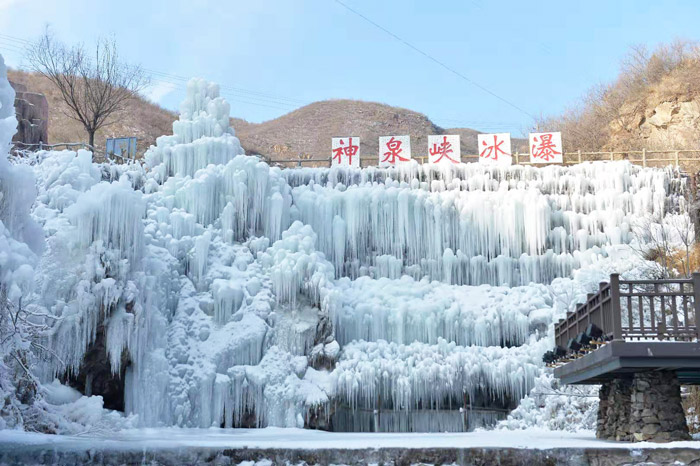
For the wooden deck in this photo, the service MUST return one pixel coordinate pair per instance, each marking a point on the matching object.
(631, 326)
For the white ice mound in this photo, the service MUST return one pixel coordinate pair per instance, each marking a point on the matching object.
(406, 310)
(201, 136)
(472, 224)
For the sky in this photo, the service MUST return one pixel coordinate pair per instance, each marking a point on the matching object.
(513, 61)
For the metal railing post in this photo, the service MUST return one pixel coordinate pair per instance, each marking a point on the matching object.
(696, 301)
(677, 161)
(615, 307)
(579, 156)
(644, 158)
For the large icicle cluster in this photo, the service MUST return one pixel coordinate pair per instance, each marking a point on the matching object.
(225, 292)
(20, 237)
(23, 319)
(405, 310)
(474, 225)
(426, 376)
(19, 245)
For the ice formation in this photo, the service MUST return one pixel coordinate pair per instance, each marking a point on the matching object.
(542, 223)
(225, 292)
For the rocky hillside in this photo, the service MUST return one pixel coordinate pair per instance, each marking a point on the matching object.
(307, 130)
(666, 116)
(654, 103)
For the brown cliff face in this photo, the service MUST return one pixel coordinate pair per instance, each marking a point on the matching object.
(32, 110)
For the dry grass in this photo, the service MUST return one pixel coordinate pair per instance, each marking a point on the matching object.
(142, 118)
(307, 130)
(609, 115)
(688, 263)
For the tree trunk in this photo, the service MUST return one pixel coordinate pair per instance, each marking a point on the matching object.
(91, 140)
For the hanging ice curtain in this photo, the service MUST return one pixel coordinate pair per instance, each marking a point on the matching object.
(394, 150)
(494, 149)
(444, 149)
(345, 152)
(546, 148)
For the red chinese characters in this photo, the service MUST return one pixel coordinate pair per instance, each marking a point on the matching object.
(346, 152)
(394, 150)
(494, 148)
(444, 149)
(545, 147)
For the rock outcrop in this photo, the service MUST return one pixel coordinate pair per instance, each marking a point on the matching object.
(672, 124)
(666, 115)
(32, 111)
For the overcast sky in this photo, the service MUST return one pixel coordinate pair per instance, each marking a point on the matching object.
(271, 56)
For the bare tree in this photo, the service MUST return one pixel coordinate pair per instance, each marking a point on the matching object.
(608, 116)
(95, 89)
(668, 243)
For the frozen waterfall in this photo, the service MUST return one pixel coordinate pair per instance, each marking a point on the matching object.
(214, 290)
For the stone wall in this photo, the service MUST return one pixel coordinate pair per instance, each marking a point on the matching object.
(643, 407)
(120, 453)
(32, 110)
(614, 409)
(657, 413)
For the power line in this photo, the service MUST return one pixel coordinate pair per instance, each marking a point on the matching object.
(15, 39)
(181, 86)
(18, 45)
(223, 86)
(17, 42)
(236, 98)
(430, 57)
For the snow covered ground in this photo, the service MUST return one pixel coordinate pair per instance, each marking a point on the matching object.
(302, 439)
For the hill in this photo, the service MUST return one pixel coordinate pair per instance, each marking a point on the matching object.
(654, 103)
(142, 119)
(307, 130)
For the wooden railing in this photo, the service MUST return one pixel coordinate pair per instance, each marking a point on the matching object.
(637, 310)
(646, 158)
(686, 159)
(98, 155)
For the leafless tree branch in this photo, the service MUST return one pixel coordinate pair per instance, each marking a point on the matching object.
(95, 89)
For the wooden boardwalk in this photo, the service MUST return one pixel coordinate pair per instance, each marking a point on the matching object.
(631, 326)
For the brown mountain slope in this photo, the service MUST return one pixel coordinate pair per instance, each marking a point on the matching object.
(307, 130)
(142, 119)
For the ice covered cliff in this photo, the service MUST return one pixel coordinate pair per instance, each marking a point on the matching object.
(208, 288)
